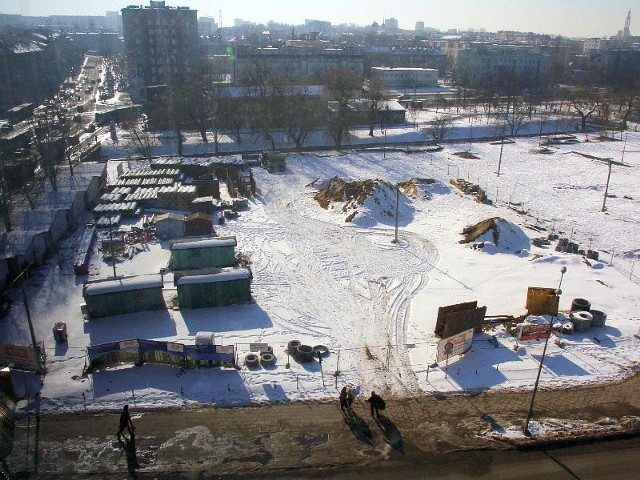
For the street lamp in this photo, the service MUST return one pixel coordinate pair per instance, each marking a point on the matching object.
(544, 351)
(395, 238)
(384, 145)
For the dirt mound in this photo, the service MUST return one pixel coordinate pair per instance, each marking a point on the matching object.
(411, 188)
(473, 232)
(348, 193)
(497, 235)
(467, 155)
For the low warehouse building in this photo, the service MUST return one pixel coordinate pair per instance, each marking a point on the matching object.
(198, 224)
(228, 287)
(105, 298)
(169, 225)
(215, 252)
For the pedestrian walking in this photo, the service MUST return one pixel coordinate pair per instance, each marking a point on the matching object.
(376, 403)
(350, 397)
(125, 422)
(344, 399)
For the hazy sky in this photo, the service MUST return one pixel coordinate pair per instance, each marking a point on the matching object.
(584, 18)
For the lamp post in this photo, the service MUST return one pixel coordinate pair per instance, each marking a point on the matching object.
(624, 147)
(395, 238)
(384, 145)
(500, 159)
(606, 189)
(544, 351)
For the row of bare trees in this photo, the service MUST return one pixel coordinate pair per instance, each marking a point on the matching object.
(267, 105)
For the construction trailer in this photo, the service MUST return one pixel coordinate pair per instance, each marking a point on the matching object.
(105, 298)
(228, 287)
(214, 252)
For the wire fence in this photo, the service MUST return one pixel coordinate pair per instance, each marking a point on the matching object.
(508, 195)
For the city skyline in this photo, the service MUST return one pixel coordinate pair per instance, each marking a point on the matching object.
(557, 17)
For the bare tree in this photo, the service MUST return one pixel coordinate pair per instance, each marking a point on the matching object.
(438, 128)
(342, 87)
(6, 203)
(49, 145)
(515, 119)
(263, 86)
(302, 113)
(374, 91)
(584, 103)
(141, 140)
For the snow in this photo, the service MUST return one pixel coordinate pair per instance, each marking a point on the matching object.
(123, 285)
(223, 276)
(211, 243)
(373, 302)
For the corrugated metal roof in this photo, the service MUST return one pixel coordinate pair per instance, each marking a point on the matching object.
(237, 274)
(211, 243)
(123, 285)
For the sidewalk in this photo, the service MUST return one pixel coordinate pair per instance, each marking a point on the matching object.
(304, 439)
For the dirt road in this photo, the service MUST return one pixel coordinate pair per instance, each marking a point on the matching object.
(314, 437)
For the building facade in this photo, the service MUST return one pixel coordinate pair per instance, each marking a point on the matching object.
(406, 77)
(297, 64)
(503, 65)
(161, 43)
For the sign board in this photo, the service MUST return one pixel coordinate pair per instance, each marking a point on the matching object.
(455, 345)
(533, 331)
(175, 347)
(128, 344)
(258, 347)
(23, 358)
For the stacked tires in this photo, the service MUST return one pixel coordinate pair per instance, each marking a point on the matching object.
(306, 353)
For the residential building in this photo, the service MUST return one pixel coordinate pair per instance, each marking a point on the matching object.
(298, 64)
(34, 63)
(160, 43)
(406, 77)
(391, 24)
(404, 57)
(503, 65)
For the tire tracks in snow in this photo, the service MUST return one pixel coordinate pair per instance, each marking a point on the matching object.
(344, 285)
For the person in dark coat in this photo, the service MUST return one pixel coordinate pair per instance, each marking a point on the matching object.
(125, 422)
(376, 403)
(344, 399)
(350, 397)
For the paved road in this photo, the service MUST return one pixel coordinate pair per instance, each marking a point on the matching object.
(306, 439)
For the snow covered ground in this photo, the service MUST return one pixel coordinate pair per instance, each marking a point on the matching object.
(372, 302)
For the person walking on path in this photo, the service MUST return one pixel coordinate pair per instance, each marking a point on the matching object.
(125, 422)
(344, 399)
(376, 403)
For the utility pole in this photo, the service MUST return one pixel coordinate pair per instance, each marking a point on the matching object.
(606, 189)
(32, 332)
(500, 159)
(544, 351)
(395, 238)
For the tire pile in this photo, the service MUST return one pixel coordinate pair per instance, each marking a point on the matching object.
(306, 353)
(265, 358)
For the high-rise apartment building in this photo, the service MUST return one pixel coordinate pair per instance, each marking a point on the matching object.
(160, 42)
